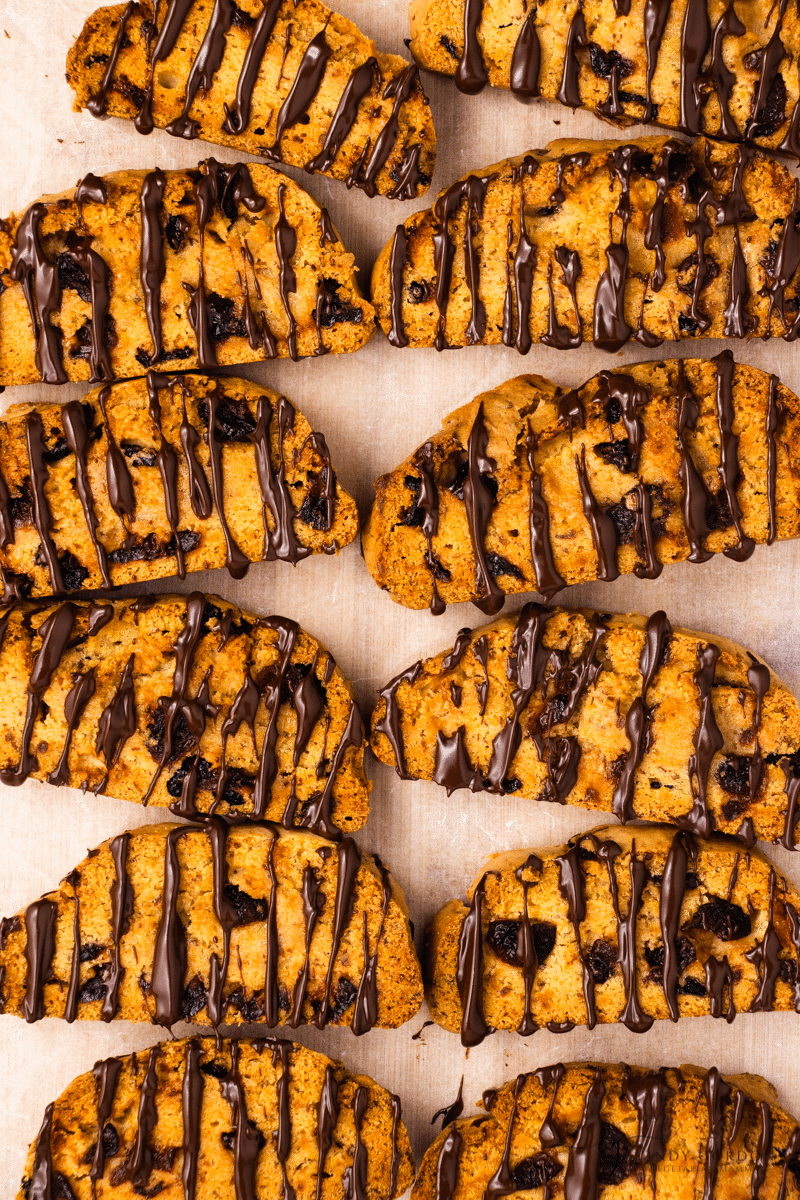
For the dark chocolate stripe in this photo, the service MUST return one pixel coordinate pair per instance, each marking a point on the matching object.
(42, 289)
(96, 104)
(397, 262)
(73, 421)
(205, 66)
(469, 971)
(639, 718)
(399, 90)
(176, 14)
(237, 563)
(34, 434)
(327, 1117)
(40, 946)
(348, 865)
(357, 87)
(191, 1110)
(42, 1172)
(169, 953)
(79, 695)
(729, 453)
(471, 76)
(548, 578)
(106, 1076)
(121, 913)
(673, 888)
(238, 117)
(151, 260)
(303, 91)
(447, 1165)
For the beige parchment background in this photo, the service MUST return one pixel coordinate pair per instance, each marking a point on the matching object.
(374, 408)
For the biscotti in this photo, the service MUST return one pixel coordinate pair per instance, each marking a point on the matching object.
(287, 79)
(621, 924)
(651, 239)
(239, 1119)
(583, 1130)
(664, 65)
(185, 702)
(620, 713)
(531, 487)
(214, 923)
(146, 479)
(173, 269)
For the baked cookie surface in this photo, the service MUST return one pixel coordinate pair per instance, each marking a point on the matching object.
(214, 1122)
(533, 487)
(293, 82)
(183, 702)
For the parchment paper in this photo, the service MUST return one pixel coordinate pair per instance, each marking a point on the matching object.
(374, 408)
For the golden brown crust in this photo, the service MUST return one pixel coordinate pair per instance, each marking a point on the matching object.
(409, 157)
(120, 742)
(250, 1072)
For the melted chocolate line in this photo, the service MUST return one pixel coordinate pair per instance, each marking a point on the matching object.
(723, 79)
(649, 1096)
(117, 721)
(447, 1165)
(141, 1165)
(524, 268)
(717, 1094)
(526, 948)
(169, 953)
(121, 913)
(71, 1002)
(611, 330)
(444, 210)
(73, 421)
(318, 815)
(285, 246)
(559, 336)
(570, 886)
(765, 956)
(356, 1174)
(283, 1136)
(42, 290)
(787, 260)
(271, 997)
(225, 912)
(237, 118)
(639, 718)
(303, 91)
(287, 632)
(167, 461)
(348, 865)
(96, 104)
(729, 470)
(648, 566)
(695, 493)
(569, 90)
(313, 902)
(327, 1118)
(199, 491)
(655, 21)
(549, 581)
(695, 42)
(205, 66)
(525, 61)
(479, 502)
(502, 1183)
(452, 768)
(581, 1178)
(718, 977)
(40, 946)
(527, 661)
(389, 724)
(237, 563)
(400, 88)
(191, 1110)
(309, 707)
(707, 740)
(772, 457)
(365, 1011)
(151, 261)
(197, 311)
(99, 276)
(469, 971)
(471, 76)
(106, 1076)
(452, 1111)
(42, 1173)
(549, 1134)
(83, 688)
(603, 529)
(247, 1142)
(176, 14)
(632, 1015)
(792, 791)
(34, 435)
(121, 493)
(243, 711)
(673, 888)
(397, 1158)
(397, 336)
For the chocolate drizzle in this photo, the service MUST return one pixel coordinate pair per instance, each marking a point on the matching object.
(447, 1165)
(327, 1117)
(707, 740)
(106, 1076)
(152, 266)
(397, 262)
(728, 469)
(237, 118)
(479, 500)
(389, 723)
(76, 435)
(469, 971)
(42, 290)
(548, 579)
(673, 887)
(638, 722)
(40, 946)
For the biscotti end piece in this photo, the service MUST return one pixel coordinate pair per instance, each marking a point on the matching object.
(622, 924)
(597, 241)
(605, 712)
(182, 702)
(621, 1132)
(217, 924)
(223, 264)
(531, 487)
(293, 82)
(192, 1114)
(145, 479)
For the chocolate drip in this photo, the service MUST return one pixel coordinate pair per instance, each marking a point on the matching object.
(285, 246)
(447, 1165)
(327, 1117)
(695, 494)
(527, 661)
(71, 1002)
(525, 60)
(469, 971)
(34, 435)
(42, 1173)
(283, 1136)
(199, 491)
(548, 579)
(365, 1011)
(787, 260)
(247, 1136)
(106, 1075)
(719, 976)
(632, 1016)
(287, 632)
(237, 118)
(117, 721)
(581, 1178)
(389, 723)
(649, 1096)
(121, 913)
(792, 792)
(502, 1183)
(73, 421)
(570, 885)
(226, 914)
(121, 494)
(313, 904)
(397, 1114)
(655, 20)
(707, 740)
(695, 40)
(191, 1109)
(355, 1176)
(673, 887)
(96, 104)
(559, 336)
(728, 469)
(611, 330)
(479, 502)
(471, 76)
(42, 290)
(524, 267)
(99, 276)
(139, 1168)
(397, 336)
(475, 190)
(167, 461)
(604, 531)
(83, 688)
(772, 457)
(317, 816)
(569, 92)
(765, 956)
(427, 502)
(40, 946)
(399, 89)
(258, 333)
(717, 1094)
(205, 66)
(450, 1112)
(526, 948)
(303, 91)
(452, 768)
(238, 564)
(54, 633)
(444, 210)
(151, 260)
(176, 14)
(169, 954)
(205, 196)
(271, 998)
(638, 722)
(546, 1077)
(348, 865)
(654, 233)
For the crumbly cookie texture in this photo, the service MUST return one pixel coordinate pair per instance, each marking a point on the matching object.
(211, 266)
(626, 925)
(174, 475)
(620, 713)
(620, 1131)
(217, 924)
(531, 487)
(185, 702)
(651, 239)
(293, 82)
(665, 66)
(202, 1120)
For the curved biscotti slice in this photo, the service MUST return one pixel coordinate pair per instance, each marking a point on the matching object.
(664, 66)
(239, 1118)
(219, 265)
(620, 713)
(287, 79)
(530, 487)
(182, 701)
(591, 1129)
(599, 241)
(217, 924)
(146, 479)
(621, 924)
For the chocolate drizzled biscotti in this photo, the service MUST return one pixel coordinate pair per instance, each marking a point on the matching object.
(652, 239)
(611, 712)
(236, 1119)
(151, 478)
(217, 924)
(287, 79)
(627, 925)
(173, 269)
(185, 702)
(583, 1130)
(534, 487)
(688, 65)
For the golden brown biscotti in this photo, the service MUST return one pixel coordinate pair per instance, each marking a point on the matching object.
(621, 924)
(651, 239)
(223, 264)
(217, 924)
(690, 65)
(531, 487)
(582, 1130)
(620, 713)
(183, 702)
(212, 1122)
(287, 79)
(146, 479)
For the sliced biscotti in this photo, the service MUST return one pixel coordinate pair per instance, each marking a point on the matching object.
(185, 702)
(663, 65)
(231, 1119)
(621, 924)
(620, 713)
(216, 265)
(159, 477)
(287, 79)
(588, 1129)
(217, 924)
(651, 239)
(531, 487)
